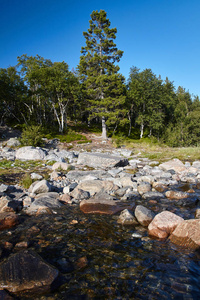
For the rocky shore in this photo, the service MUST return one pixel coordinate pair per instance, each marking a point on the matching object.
(161, 198)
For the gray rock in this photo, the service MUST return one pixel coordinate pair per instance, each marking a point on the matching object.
(43, 202)
(126, 218)
(36, 176)
(79, 175)
(13, 142)
(148, 179)
(101, 160)
(144, 215)
(42, 186)
(132, 195)
(54, 157)
(144, 187)
(196, 164)
(153, 195)
(96, 186)
(60, 165)
(115, 172)
(79, 194)
(30, 153)
(69, 188)
(3, 188)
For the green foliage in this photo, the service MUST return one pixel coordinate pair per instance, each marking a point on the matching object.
(103, 87)
(32, 136)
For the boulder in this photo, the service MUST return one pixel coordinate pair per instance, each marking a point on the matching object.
(42, 186)
(96, 186)
(126, 218)
(49, 200)
(30, 153)
(79, 194)
(101, 160)
(164, 224)
(8, 220)
(187, 234)
(102, 203)
(26, 272)
(144, 215)
(174, 164)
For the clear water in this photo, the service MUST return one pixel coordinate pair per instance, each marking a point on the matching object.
(114, 265)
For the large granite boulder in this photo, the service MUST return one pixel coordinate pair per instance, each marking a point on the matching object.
(26, 272)
(187, 234)
(30, 153)
(164, 224)
(101, 160)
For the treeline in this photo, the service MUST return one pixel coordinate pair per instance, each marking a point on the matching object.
(39, 91)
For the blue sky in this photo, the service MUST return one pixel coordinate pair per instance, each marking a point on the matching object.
(159, 34)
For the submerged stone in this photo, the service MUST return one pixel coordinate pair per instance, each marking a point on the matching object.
(102, 203)
(26, 272)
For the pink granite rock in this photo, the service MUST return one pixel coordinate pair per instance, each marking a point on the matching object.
(187, 234)
(164, 224)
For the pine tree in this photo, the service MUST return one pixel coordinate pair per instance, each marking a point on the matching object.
(104, 86)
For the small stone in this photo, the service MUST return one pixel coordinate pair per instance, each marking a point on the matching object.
(144, 215)
(81, 263)
(127, 218)
(176, 195)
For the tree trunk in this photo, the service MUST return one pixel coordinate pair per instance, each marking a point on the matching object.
(141, 130)
(104, 133)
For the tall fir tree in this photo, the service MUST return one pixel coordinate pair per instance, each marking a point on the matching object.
(104, 86)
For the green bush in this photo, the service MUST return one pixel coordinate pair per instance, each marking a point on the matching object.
(32, 136)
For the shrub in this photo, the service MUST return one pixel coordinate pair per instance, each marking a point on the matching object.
(31, 136)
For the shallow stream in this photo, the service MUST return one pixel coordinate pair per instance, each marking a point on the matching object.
(100, 259)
